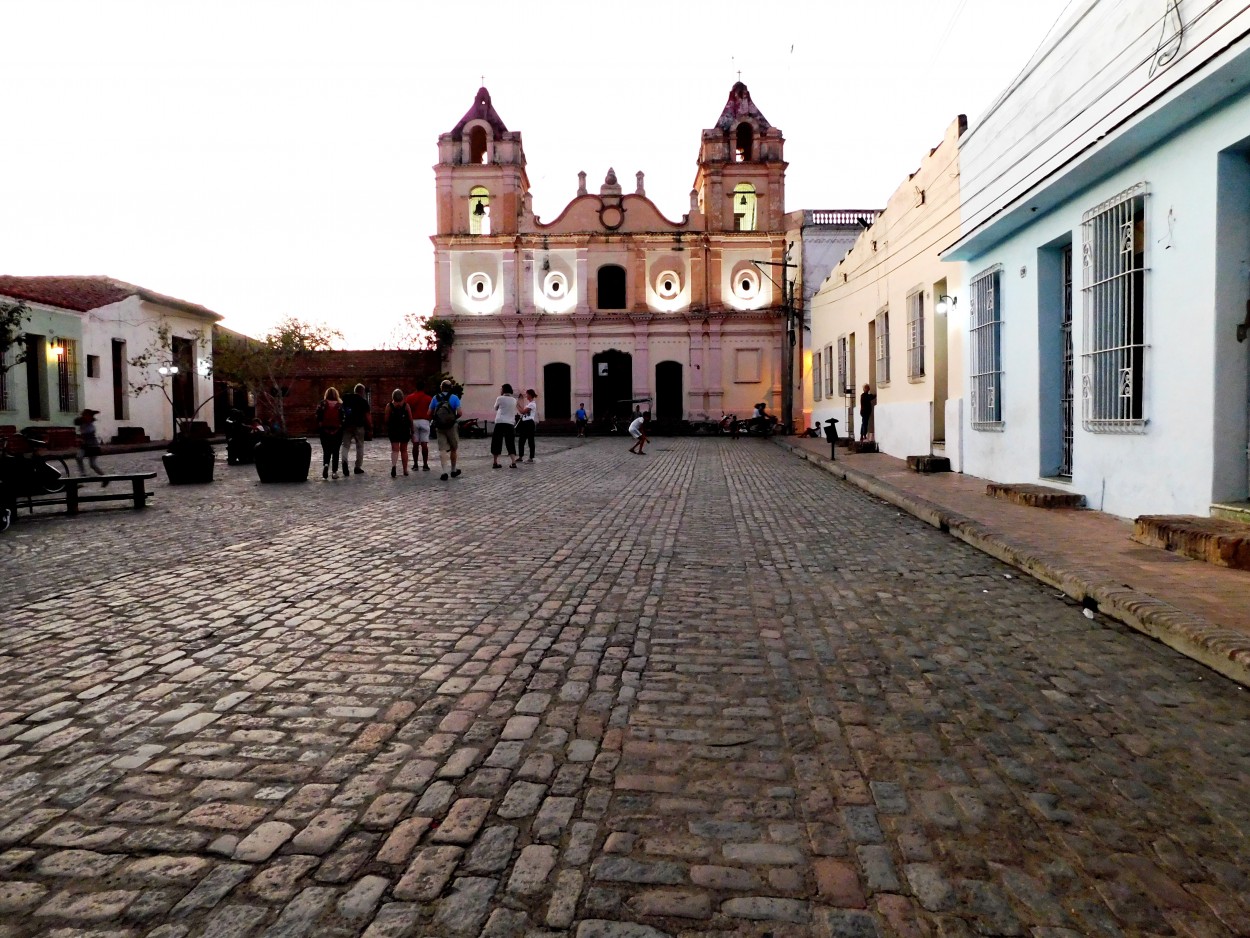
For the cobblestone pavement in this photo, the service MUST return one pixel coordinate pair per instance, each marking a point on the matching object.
(706, 692)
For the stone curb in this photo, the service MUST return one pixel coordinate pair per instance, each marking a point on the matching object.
(1220, 649)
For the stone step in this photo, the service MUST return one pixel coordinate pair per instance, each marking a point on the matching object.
(1232, 511)
(1212, 540)
(1035, 496)
(861, 446)
(928, 464)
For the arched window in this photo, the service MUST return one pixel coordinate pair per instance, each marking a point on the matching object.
(477, 144)
(743, 143)
(479, 211)
(611, 284)
(744, 206)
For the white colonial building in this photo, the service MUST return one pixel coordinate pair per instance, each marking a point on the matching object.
(1106, 236)
(82, 340)
(886, 317)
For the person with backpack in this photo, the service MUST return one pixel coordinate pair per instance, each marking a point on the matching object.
(398, 429)
(357, 421)
(528, 424)
(444, 417)
(330, 429)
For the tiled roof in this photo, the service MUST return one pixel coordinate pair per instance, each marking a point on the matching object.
(84, 293)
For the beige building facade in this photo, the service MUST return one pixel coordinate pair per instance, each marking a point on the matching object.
(612, 301)
(889, 316)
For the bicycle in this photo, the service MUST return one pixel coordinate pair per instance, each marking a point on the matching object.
(27, 472)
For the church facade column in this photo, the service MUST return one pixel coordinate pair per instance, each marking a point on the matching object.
(583, 379)
(510, 339)
(642, 379)
(715, 376)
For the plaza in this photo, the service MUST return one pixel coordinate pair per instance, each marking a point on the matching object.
(710, 691)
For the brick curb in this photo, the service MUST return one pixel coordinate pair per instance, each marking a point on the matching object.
(1220, 649)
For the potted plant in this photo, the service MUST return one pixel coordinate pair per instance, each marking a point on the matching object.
(264, 368)
(190, 458)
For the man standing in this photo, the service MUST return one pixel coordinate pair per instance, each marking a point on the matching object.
(867, 404)
(419, 403)
(357, 420)
(445, 416)
(580, 417)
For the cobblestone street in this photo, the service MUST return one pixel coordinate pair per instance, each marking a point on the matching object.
(710, 691)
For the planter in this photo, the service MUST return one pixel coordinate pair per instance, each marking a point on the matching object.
(189, 463)
(283, 459)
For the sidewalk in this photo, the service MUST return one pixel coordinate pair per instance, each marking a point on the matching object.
(1201, 610)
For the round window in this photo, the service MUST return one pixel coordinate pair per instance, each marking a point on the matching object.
(746, 284)
(479, 286)
(555, 285)
(668, 284)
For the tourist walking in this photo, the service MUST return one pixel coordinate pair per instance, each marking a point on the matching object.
(581, 419)
(419, 403)
(444, 416)
(528, 424)
(638, 430)
(330, 430)
(88, 442)
(357, 422)
(504, 433)
(398, 429)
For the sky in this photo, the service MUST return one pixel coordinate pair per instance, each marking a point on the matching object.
(273, 158)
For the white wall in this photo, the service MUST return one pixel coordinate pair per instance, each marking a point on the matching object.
(134, 321)
(1169, 466)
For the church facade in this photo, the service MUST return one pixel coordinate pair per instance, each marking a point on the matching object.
(611, 302)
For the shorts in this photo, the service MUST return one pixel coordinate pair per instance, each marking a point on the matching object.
(636, 434)
(449, 439)
(420, 431)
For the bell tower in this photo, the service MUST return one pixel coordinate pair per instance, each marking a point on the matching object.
(741, 182)
(480, 176)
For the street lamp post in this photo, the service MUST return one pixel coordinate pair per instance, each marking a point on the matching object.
(167, 371)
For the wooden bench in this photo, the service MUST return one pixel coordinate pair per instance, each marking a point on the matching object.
(71, 498)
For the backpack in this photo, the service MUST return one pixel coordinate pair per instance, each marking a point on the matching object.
(330, 416)
(444, 417)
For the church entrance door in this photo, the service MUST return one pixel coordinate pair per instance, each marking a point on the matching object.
(613, 386)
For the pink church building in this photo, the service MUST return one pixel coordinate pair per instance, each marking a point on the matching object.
(611, 301)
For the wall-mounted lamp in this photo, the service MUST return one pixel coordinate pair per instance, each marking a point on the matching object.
(168, 369)
(946, 303)
(56, 350)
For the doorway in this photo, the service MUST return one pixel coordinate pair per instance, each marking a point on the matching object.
(613, 386)
(183, 390)
(940, 363)
(668, 392)
(557, 390)
(37, 376)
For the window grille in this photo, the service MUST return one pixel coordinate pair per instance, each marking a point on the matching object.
(844, 377)
(817, 382)
(1114, 305)
(915, 335)
(67, 376)
(830, 391)
(883, 346)
(4, 388)
(1067, 400)
(985, 346)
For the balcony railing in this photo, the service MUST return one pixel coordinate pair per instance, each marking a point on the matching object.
(842, 216)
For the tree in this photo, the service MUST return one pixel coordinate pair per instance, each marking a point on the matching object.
(264, 366)
(425, 332)
(13, 320)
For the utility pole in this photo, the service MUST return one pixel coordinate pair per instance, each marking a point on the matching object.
(788, 341)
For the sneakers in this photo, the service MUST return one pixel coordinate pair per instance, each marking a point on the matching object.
(334, 475)
(496, 466)
(393, 472)
(455, 472)
(425, 468)
(359, 471)
(443, 477)
(325, 471)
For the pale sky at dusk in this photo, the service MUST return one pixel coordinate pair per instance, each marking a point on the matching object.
(268, 158)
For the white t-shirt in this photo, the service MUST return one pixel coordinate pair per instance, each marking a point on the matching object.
(635, 428)
(505, 409)
(529, 411)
